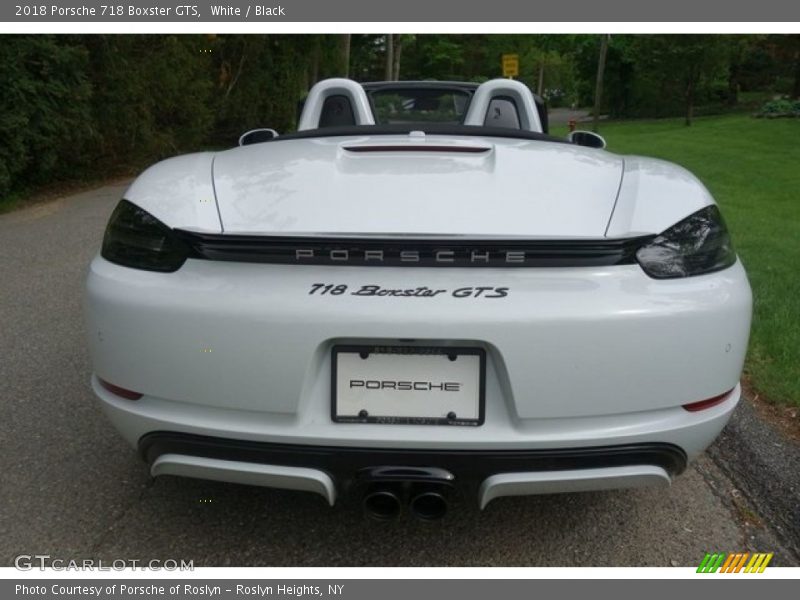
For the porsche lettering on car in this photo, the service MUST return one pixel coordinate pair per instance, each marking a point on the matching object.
(418, 295)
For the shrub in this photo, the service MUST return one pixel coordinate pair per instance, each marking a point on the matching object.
(44, 109)
(779, 108)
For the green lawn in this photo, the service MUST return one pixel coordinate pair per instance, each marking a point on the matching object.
(752, 167)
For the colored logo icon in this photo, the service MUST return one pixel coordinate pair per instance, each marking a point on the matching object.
(734, 562)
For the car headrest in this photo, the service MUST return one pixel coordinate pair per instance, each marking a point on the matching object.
(508, 89)
(352, 102)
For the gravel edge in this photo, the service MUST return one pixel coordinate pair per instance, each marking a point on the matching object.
(764, 464)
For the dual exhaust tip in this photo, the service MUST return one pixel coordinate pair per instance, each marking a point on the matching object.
(427, 502)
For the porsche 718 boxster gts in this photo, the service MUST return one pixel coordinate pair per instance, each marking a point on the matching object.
(418, 294)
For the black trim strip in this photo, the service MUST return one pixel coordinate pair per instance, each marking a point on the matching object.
(353, 251)
(468, 466)
(462, 86)
(417, 148)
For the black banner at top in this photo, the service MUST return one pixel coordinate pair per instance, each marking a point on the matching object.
(444, 11)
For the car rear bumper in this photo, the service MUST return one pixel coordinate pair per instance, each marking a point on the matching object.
(489, 474)
(690, 431)
(639, 450)
(576, 358)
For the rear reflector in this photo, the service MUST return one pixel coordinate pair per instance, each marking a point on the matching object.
(704, 404)
(120, 391)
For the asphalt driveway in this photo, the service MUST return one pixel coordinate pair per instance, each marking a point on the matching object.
(71, 488)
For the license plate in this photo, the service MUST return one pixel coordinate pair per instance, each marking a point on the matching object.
(408, 385)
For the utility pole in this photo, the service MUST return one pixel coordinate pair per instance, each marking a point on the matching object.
(598, 90)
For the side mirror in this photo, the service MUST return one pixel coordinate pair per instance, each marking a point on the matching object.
(256, 136)
(587, 138)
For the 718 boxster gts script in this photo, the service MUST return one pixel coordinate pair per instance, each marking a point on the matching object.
(419, 293)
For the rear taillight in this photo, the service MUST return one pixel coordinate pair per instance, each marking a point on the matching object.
(120, 391)
(698, 244)
(704, 404)
(135, 238)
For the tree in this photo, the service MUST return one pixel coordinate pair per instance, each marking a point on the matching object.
(398, 51)
(739, 47)
(684, 62)
(787, 49)
(598, 90)
(439, 57)
(45, 123)
(345, 54)
(796, 86)
(389, 57)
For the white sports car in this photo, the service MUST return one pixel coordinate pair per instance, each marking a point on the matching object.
(419, 293)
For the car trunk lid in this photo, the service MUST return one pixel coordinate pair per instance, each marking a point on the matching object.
(417, 186)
